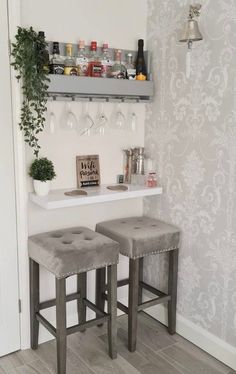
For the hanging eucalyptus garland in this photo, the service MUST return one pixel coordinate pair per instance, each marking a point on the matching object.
(28, 54)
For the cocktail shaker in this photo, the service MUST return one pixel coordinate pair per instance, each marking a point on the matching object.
(138, 160)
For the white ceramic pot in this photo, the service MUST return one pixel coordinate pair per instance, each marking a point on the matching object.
(41, 188)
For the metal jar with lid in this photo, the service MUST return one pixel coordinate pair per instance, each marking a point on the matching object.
(138, 159)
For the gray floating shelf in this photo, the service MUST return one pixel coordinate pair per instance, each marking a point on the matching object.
(107, 88)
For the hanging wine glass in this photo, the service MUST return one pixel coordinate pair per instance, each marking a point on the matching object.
(118, 118)
(51, 118)
(70, 119)
(132, 119)
(85, 121)
(101, 121)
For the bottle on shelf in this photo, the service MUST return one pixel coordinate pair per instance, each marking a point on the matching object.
(141, 70)
(130, 68)
(95, 66)
(82, 60)
(57, 63)
(118, 70)
(44, 53)
(151, 180)
(70, 64)
(106, 62)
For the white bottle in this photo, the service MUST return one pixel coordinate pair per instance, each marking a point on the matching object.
(106, 62)
(82, 60)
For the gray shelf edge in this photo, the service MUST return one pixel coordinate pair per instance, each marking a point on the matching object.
(61, 85)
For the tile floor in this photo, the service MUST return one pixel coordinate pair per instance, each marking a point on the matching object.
(157, 353)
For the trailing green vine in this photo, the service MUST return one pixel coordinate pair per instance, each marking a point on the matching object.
(28, 54)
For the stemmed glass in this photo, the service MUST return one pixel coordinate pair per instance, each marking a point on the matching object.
(118, 118)
(51, 118)
(132, 119)
(70, 120)
(101, 121)
(85, 121)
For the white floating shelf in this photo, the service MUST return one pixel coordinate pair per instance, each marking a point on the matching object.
(57, 198)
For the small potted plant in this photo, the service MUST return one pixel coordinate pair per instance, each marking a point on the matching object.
(42, 172)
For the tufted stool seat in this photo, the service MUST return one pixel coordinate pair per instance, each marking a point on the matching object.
(72, 251)
(139, 237)
(64, 253)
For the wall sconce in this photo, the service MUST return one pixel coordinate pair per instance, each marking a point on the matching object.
(191, 33)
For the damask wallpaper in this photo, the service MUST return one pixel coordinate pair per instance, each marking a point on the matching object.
(191, 136)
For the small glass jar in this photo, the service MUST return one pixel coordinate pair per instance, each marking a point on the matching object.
(151, 180)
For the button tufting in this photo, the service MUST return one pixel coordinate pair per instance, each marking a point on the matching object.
(123, 222)
(77, 232)
(56, 235)
(88, 238)
(154, 225)
(136, 228)
(67, 241)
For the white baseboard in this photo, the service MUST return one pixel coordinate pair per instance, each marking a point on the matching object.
(210, 343)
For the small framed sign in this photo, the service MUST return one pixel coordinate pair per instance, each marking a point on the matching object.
(88, 171)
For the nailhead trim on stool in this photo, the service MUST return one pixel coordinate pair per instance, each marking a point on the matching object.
(140, 237)
(64, 253)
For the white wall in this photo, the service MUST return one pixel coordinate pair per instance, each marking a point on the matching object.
(120, 25)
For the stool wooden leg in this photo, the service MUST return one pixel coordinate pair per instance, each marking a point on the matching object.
(172, 290)
(112, 310)
(34, 302)
(100, 289)
(140, 293)
(133, 303)
(61, 325)
(82, 289)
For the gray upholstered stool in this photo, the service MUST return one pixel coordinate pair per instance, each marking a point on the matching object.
(140, 237)
(65, 253)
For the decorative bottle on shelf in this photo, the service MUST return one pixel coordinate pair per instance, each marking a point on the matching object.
(118, 70)
(130, 68)
(44, 54)
(106, 62)
(57, 63)
(82, 60)
(141, 70)
(95, 66)
(70, 65)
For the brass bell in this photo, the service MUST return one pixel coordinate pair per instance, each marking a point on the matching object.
(191, 32)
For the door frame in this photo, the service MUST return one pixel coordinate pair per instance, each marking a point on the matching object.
(14, 20)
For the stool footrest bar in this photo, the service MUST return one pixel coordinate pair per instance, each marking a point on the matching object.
(82, 326)
(94, 308)
(46, 324)
(151, 289)
(120, 306)
(51, 303)
(156, 301)
(120, 283)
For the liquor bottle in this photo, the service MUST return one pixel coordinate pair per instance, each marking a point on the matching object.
(70, 65)
(57, 63)
(118, 70)
(82, 60)
(130, 68)
(106, 62)
(44, 53)
(95, 66)
(141, 70)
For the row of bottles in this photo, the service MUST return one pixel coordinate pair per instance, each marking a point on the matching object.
(93, 64)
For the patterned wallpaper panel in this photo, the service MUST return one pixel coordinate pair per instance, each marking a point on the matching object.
(191, 136)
